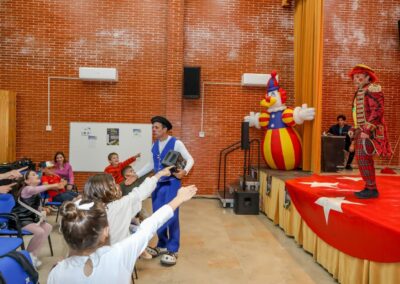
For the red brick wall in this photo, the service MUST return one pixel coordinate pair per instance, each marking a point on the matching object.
(150, 41)
(227, 39)
(361, 31)
(54, 38)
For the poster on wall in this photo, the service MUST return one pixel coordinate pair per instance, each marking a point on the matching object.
(137, 132)
(112, 136)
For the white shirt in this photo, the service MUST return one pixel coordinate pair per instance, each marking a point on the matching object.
(111, 264)
(120, 212)
(179, 147)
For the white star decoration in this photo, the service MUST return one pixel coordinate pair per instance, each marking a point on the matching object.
(322, 184)
(351, 178)
(333, 203)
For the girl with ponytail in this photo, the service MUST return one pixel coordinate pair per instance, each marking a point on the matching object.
(92, 260)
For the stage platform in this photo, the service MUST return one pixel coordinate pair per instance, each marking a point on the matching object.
(357, 241)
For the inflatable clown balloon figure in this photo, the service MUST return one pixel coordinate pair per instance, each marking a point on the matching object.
(281, 145)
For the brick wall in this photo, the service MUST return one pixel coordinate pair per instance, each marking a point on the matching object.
(150, 41)
(228, 38)
(54, 38)
(361, 31)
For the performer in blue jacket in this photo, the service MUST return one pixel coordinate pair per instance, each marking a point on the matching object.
(166, 190)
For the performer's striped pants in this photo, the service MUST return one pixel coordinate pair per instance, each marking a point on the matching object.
(366, 162)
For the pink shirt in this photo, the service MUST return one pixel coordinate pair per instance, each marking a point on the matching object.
(65, 172)
(29, 190)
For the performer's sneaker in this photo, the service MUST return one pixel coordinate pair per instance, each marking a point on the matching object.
(367, 193)
(169, 259)
(349, 167)
(157, 251)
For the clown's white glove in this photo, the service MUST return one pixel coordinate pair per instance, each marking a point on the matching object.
(252, 119)
(303, 113)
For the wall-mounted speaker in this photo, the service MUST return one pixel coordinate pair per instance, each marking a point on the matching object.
(191, 82)
(245, 140)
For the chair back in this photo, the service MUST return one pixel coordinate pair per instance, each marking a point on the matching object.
(16, 267)
(7, 203)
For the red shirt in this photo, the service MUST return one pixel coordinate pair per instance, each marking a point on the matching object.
(116, 171)
(53, 179)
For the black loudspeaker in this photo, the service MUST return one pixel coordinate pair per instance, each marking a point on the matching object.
(246, 202)
(332, 153)
(244, 142)
(191, 82)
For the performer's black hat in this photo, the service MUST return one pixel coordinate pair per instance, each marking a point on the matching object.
(165, 122)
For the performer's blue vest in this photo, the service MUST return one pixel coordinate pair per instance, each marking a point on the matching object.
(158, 157)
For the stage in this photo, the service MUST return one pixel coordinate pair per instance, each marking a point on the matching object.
(356, 240)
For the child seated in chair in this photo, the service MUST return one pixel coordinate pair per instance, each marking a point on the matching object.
(49, 177)
(28, 210)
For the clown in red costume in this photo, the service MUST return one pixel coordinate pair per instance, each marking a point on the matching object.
(369, 132)
(281, 145)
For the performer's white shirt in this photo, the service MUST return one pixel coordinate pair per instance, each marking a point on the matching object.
(179, 147)
(111, 264)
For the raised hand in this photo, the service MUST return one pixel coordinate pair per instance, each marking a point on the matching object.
(165, 172)
(13, 174)
(186, 193)
(7, 188)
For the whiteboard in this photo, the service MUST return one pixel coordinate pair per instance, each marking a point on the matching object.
(91, 142)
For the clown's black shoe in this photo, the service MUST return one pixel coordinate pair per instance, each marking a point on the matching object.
(367, 193)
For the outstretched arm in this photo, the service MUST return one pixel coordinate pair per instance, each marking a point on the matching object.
(149, 185)
(130, 248)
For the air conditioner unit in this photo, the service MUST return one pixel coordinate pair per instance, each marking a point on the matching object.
(255, 80)
(98, 74)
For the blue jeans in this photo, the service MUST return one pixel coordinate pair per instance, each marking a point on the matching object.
(65, 196)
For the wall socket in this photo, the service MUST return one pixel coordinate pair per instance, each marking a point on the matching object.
(48, 128)
(202, 134)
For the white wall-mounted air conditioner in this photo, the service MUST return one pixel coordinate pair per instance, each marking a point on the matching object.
(255, 79)
(98, 74)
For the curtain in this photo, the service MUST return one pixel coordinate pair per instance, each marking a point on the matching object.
(308, 48)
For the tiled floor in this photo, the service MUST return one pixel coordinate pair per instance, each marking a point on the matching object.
(218, 246)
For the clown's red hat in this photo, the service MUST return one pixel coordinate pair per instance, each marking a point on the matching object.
(364, 69)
